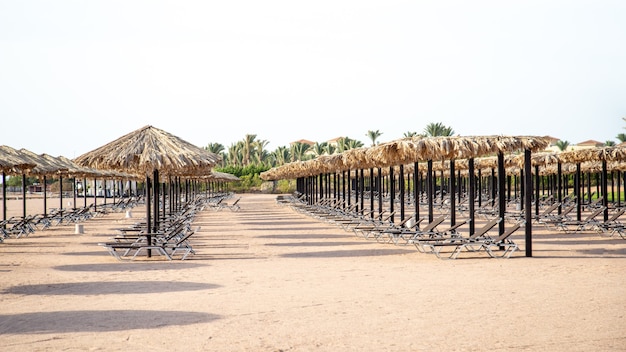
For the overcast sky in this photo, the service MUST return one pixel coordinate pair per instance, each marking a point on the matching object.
(75, 75)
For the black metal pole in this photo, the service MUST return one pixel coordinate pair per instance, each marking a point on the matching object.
(527, 209)
(24, 195)
(472, 196)
(416, 186)
(452, 194)
(501, 191)
(430, 189)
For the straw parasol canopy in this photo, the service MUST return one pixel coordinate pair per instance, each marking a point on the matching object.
(43, 165)
(615, 153)
(222, 176)
(12, 161)
(415, 149)
(147, 149)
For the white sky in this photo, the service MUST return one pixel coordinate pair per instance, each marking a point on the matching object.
(75, 75)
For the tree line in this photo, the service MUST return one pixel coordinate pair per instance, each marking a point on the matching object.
(251, 153)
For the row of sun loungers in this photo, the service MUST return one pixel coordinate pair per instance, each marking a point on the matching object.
(19, 226)
(429, 237)
(220, 202)
(171, 240)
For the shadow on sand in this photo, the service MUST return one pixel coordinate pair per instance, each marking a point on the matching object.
(61, 322)
(108, 287)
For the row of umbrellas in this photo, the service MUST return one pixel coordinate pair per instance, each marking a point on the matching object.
(23, 161)
(148, 152)
(481, 149)
(132, 156)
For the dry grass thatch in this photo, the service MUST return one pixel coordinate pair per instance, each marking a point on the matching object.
(147, 149)
(12, 162)
(615, 153)
(411, 150)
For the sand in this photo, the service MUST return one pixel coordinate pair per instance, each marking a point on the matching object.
(267, 278)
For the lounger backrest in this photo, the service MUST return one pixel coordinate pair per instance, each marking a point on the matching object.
(568, 209)
(455, 226)
(616, 215)
(408, 222)
(508, 232)
(436, 221)
(594, 214)
(186, 237)
(488, 226)
(550, 209)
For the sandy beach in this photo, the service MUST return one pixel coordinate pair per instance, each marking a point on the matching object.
(267, 278)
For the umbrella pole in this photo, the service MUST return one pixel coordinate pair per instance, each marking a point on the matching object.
(155, 187)
(95, 195)
(85, 192)
(61, 193)
(74, 190)
(24, 195)
(148, 205)
(45, 196)
(4, 196)
(528, 229)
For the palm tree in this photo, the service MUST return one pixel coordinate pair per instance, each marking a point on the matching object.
(437, 129)
(410, 134)
(609, 143)
(319, 148)
(216, 148)
(562, 145)
(345, 143)
(353, 143)
(248, 146)
(298, 151)
(258, 151)
(621, 137)
(330, 149)
(235, 155)
(281, 155)
(373, 135)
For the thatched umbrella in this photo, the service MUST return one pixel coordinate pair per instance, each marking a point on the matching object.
(149, 151)
(11, 162)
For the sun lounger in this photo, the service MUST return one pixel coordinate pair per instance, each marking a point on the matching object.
(437, 235)
(130, 250)
(408, 225)
(551, 220)
(457, 243)
(501, 243)
(234, 206)
(613, 225)
(589, 223)
(385, 234)
(409, 236)
(369, 227)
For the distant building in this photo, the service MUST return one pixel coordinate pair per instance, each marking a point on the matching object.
(303, 141)
(588, 144)
(552, 147)
(582, 145)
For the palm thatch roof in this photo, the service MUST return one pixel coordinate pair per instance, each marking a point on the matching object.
(12, 161)
(411, 150)
(147, 149)
(615, 153)
(222, 176)
(43, 165)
